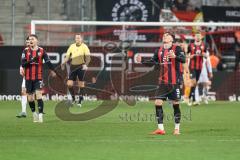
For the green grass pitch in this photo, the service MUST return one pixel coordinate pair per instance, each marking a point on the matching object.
(210, 132)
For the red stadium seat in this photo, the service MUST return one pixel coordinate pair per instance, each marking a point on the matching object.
(1, 40)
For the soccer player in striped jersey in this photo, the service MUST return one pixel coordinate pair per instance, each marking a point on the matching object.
(23, 114)
(32, 62)
(184, 71)
(168, 57)
(197, 52)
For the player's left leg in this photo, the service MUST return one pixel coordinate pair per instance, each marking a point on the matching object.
(38, 92)
(40, 105)
(81, 93)
(175, 96)
(195, 83)
(177, 117)
(203, 82)
(193, 86)
(198, 93)
(81, 85)
(205, 91)
(71, 79)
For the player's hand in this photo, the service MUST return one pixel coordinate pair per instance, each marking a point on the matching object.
(171, 54)
(62, 66)
(84, 67)
(34, 59)
(210, 75)
(139, 59)
(22, 72)
(53, 74)
(191, 56)
(204, 55)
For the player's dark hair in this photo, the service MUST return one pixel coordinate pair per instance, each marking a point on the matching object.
(171, 34)
(27, 38)
(179, 40)
(33, 35)
(80, 34)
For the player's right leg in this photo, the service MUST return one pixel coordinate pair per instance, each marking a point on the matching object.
(194, 79)
(159, 117)
(71, 79)
(30, 97)
(37, 88)
(81, 85)
(32, 107)
(71, 89)
(197, 76)
(187, 87)
(192, 91)
(205, 92)
(40, 105)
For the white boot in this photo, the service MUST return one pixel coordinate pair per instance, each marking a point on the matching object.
(35, 117)
(40, 118)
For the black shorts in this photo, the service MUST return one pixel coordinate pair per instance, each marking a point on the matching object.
(195, 74)
(33, 85)
(76, 71)
(168, 92)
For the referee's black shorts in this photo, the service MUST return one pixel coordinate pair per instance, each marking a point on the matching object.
(33, 85)
(76, 72)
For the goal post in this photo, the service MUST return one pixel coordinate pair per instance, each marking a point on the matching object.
(62, 30)
(111, 23)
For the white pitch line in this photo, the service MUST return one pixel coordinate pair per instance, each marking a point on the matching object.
(125, 141)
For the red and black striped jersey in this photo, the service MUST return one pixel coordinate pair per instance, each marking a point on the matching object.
(169, 67)
(197, 50)
(32, 62)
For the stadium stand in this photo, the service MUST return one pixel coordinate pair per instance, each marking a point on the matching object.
(34, 9)
(26, 10)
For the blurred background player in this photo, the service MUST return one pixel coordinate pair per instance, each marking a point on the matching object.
(204, 81)
(197, 52)
(237, 50)
(32, 62)
(23, 114)
(184, 70)
(169, 57)
(78, 56)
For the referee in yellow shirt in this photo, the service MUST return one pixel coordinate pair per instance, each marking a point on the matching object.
(78, 56)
